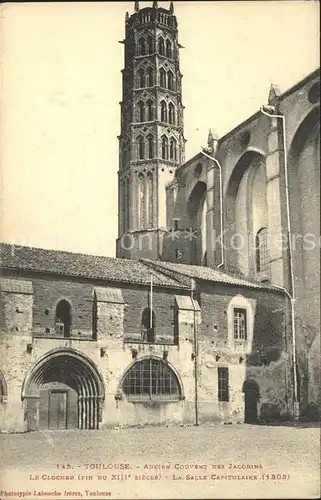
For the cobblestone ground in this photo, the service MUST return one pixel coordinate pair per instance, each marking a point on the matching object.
(203, 462)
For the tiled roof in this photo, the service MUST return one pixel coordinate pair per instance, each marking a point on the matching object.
(82, 265)
(204, 273)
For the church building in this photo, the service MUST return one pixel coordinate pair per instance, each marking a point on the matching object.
(209, 312)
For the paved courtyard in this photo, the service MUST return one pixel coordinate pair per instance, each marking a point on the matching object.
(223, 461)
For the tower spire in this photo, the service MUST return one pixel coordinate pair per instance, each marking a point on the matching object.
(171, 8)
(149, 145)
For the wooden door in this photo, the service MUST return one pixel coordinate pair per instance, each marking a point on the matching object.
(57, 409)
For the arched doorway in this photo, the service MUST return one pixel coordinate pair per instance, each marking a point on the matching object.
(251, 397)
(63, 391)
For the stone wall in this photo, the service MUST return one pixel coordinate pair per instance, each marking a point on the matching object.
(113, 351)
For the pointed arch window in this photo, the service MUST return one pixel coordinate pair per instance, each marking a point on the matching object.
(163, 111)
(142, 47)
(169, 49)
(141, 78)
(164, 147)
(151, 379)
(172, 149)
(161, 46)
(149, 110)
(63, 318)
(150, 149)
(149, 77)
(141, 111)
(141, 200)
(149, 197)
(141, 148)
(162, 78)
(150, 45)
(171, 113)
(170, 80)
(261, 248)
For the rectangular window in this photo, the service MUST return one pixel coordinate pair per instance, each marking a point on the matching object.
(240, 324)
(223, 394)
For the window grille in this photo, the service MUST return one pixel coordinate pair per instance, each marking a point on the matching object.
(151, 379)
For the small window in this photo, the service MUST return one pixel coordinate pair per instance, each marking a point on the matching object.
(63, 319)
(240, 324)
(170, 80)
(172, 149)
(169, 52)
(142, 47)
(161, 46)
(141, 78)
(261, 247)
(163, 112)
(94, 318)
(141, 111)
(149, 110)
(150, 45)
(148, 326)
(223, 382)
(150, 142)
(150, 77)
(151, 379)
(171, 115)
(141, 148)
(162, 78)
(3, 389)
(164, 147)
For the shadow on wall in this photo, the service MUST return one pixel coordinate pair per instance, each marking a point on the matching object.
(265, 387)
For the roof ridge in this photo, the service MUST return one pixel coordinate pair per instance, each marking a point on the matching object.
(79, 265)
(239, 280)
(55, 250)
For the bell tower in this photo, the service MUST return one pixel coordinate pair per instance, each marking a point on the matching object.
(151, 141)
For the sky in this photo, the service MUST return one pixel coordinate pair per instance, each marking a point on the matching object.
(60, 93)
